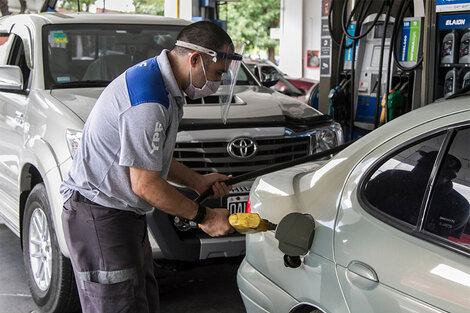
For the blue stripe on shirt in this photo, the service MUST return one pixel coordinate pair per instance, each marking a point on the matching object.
(145, 84)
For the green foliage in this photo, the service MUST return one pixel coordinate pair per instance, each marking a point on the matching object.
(153, 7)
(250, 21)
(73, 4)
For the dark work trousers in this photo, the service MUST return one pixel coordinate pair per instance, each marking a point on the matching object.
(111, 258)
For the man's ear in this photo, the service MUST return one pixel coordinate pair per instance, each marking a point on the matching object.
(194, 58)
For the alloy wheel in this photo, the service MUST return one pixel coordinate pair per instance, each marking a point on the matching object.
(40, 250)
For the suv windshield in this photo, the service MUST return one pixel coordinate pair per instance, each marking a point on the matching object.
(92, 55)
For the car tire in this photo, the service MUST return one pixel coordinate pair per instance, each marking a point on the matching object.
(50, 275)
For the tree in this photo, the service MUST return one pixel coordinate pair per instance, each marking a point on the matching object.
(72, 5)
(153, 7)
(4, 7)
(250, 22)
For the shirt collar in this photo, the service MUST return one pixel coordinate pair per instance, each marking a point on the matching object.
(169, 77)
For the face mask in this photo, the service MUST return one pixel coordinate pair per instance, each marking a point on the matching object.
(209, 87)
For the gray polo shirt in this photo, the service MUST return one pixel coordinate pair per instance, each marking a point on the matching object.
(133, 123)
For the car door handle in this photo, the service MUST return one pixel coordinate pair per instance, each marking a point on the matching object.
(362, 275)
(19, 116)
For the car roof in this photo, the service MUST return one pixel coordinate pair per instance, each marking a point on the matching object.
(438, 109)
(429, 113)
(101, 18)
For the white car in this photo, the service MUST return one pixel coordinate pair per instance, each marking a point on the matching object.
(53, 67)
(381, 227)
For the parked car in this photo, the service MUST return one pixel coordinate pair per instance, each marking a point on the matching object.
(383, 226)
(271, 76)
(53, 67)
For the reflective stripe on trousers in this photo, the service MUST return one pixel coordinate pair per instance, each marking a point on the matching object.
(111, 258)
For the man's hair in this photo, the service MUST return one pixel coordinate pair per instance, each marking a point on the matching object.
(428, 158)
(205, 34)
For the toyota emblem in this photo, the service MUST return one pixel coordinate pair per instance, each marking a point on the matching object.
(242, 148)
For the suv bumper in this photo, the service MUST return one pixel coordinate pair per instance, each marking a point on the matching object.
(193, 245)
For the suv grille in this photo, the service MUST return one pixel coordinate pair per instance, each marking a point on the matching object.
(208, 157)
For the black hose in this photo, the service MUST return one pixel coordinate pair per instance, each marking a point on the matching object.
(203, 196)
(361, 18)
(396, 27)
(330, 29)
(340, 60)
(395, 51)
(351, 115)
(343, 37)
(368, 30)
(379, 79)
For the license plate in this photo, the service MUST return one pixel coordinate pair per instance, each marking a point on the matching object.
(237, 204)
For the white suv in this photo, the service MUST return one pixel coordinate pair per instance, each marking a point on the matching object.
(53, 67)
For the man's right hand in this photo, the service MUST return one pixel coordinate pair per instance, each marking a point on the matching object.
(216, 222)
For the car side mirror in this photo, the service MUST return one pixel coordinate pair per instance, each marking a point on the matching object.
(269, 79)
(295, 234)
(267, 75)
(11, 77)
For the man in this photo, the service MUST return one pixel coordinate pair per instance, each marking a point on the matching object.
(121, 168)
(399, 193)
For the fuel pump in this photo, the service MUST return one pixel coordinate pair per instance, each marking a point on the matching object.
(370, 74)
(381, 63)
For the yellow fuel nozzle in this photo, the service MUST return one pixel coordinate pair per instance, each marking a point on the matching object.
(249, 223)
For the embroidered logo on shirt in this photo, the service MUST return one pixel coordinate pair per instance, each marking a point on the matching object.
(156, 137)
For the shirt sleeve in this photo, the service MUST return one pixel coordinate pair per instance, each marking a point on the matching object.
(142, 130)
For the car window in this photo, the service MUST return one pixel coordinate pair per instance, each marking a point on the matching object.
(17, 56)
(244, 77)
(75, 54)
(99, 52)
(5, 46)
(449, 210)
(397, 187)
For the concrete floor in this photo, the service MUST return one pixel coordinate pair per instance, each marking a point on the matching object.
(209, 288)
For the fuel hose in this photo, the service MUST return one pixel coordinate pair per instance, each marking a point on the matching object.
(247, 176)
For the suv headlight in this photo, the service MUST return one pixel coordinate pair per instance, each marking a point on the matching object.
(327, 138)
(73, 138)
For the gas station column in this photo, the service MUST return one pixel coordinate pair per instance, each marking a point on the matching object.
(179, 9)
(290, 49)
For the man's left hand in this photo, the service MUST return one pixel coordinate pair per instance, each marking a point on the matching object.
(214, 180)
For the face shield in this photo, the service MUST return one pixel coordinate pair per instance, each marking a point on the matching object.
(231, 58)
(229, 80)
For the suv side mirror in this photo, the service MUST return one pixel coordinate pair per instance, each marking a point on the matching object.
(267, 75)
(11, 77)
(295, 234)
(270, 79)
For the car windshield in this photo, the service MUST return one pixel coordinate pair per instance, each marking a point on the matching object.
(92, 55)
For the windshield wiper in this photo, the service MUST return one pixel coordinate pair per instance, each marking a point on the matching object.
(81, 84)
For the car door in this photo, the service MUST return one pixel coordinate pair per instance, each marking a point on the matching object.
(12, 112)
(390, 255)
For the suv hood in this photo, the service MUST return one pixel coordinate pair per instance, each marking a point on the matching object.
(78, 100)
(251, 103)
